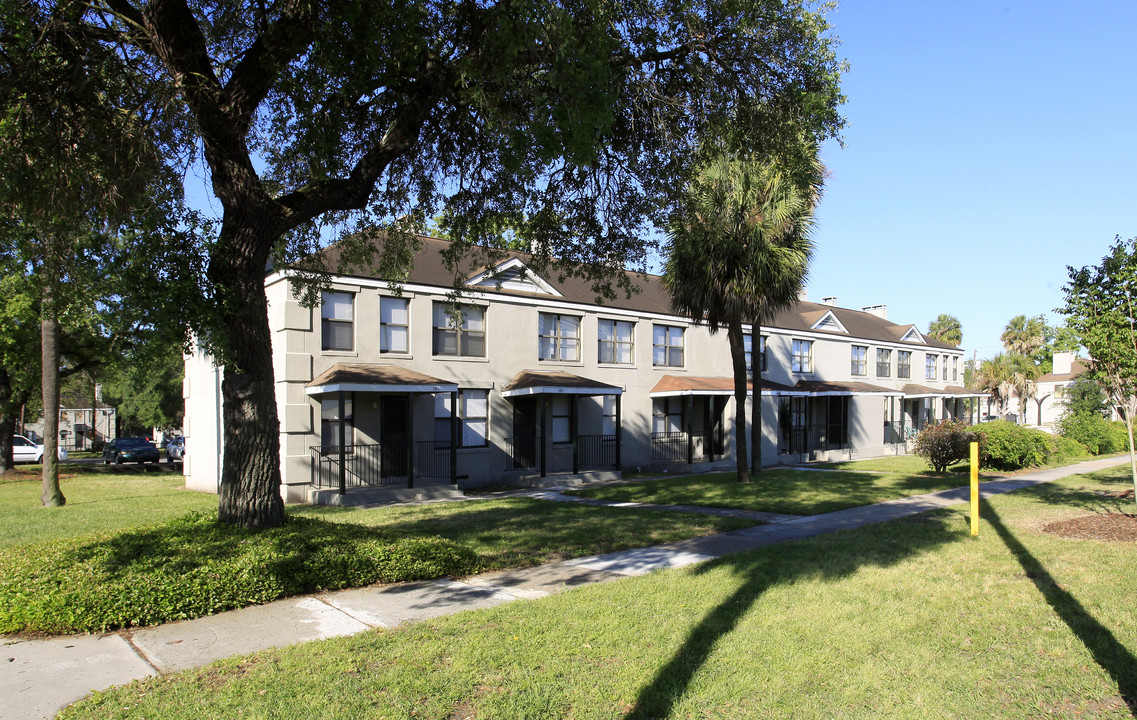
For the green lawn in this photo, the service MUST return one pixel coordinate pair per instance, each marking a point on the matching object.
(909, 619)
(148, 562)
(97, 500)
(794, 492)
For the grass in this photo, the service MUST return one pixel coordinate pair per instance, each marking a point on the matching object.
(910, 464)
(57, 577)
(794, 492)
(98, 500)
(908, 619)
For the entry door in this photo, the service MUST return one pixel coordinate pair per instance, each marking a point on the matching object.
(393, 437)
(525, 432)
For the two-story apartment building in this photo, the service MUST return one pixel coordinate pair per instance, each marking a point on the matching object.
(531, 377)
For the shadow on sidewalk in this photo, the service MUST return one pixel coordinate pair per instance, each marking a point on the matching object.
(1112, 656)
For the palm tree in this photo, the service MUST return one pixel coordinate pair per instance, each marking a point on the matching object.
(739, 252)
(1023, 335)
(946, 328)
(1005, 375)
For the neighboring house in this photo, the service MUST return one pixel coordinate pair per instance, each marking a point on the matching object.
(532, 378)
(83, 421)
(1044, 409)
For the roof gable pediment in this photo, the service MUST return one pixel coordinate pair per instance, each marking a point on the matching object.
(829, 322)
(515, 276)
(913, 335)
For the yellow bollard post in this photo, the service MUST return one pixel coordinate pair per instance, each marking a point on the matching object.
(974, 489)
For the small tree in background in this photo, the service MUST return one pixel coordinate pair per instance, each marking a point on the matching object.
(1100, 309)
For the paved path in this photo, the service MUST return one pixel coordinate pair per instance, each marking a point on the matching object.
(39, 677)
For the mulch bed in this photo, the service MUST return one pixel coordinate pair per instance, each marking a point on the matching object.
(1111, 527)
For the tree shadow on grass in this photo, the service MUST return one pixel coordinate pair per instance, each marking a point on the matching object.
(1111, 655)
(758, 571)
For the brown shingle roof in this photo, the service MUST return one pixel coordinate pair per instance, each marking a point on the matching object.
(429, 269)
(1076, 368)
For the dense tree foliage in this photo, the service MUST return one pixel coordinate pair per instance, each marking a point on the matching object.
(580, 123)
(1099, 309)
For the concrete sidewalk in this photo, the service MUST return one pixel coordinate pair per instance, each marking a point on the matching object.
(40, 677)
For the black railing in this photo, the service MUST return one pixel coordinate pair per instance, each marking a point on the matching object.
(670, 447)
(893, 433)
(364, 465)
(596, 451)
(813, 437)
(432, 459)
(523, 453)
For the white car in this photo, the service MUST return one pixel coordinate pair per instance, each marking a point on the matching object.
(24, 450)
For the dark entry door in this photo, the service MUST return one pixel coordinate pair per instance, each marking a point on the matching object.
(525, 433)
(393, 438)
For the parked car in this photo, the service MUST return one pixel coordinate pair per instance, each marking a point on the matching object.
(176, 449)
(24, 450)
(129, 449)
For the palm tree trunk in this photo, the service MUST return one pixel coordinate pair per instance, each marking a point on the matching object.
(756, 403)
(738, 361)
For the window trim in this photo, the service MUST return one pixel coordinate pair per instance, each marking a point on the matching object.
(667, 347)
(559, 341)
(383, 349)
(904, 369)
(930, 362)
(885, 363)
(799, 358)
(326, 322)
(863, 362)
(615, 342)
(459, 332)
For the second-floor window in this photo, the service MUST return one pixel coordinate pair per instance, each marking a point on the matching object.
(883, 362)
(903, 364)
(859, 360)
(558, 337)
(463, 334)
(930, 367)
(943, 374)
(337, 320)
(955, 369)
(747, 343)
(616, 342)
(394, 324)
(667, 346)
(801, 356)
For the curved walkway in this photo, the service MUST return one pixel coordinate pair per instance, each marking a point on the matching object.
(39, 677)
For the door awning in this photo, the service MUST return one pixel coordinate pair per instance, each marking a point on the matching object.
(674, 386)
(915, 392)
(364, 377)
(824, 388)
(532, 382)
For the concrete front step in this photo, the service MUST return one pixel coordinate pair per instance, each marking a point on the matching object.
(560, 479)
(378, 495)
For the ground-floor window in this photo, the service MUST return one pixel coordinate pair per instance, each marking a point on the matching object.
(667, 415)
(330, 421)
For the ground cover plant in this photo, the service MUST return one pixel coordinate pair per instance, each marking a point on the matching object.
(907, 619)
(191, 565)
(794, 492)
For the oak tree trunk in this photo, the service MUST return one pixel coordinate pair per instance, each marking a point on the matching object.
(250, 473)
(738, 362)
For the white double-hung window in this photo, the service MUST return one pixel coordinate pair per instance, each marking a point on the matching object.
(558, 337)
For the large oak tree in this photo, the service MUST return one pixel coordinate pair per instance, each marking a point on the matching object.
(577, 122)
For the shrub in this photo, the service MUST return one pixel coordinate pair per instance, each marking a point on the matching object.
(1063, 449)
(193, 566)
(1010, 446)
(1098, 435)
(945, 443)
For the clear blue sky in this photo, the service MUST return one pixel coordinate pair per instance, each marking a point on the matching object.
(989, 145)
